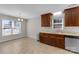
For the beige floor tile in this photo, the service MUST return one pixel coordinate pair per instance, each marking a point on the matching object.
(29, 46)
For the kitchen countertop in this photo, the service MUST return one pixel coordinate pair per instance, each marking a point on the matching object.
(62, 33)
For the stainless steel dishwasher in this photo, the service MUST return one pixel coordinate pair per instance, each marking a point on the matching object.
(72, 43)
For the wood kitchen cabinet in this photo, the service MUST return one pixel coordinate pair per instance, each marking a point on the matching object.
(52, 39)
(72, 16)
(46, 20)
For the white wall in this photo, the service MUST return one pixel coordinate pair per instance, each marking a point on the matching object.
(33, 27)
(11, 37)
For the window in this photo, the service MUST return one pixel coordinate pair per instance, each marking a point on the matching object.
(58, 20)
(10, 27)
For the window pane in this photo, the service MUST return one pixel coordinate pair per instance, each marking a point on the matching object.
(6, 24)
(6, 27)
(16, 27)
(6, 32)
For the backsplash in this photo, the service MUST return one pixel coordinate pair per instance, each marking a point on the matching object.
(65, 29)
(50, 29)
(72, 29)
(46, 28)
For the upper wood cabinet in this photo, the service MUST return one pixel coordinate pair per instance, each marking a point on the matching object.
(72, 16)
(46, 20)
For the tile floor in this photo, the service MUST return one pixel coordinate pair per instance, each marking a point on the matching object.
(29, 46)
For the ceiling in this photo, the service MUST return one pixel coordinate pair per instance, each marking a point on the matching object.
(30, 10)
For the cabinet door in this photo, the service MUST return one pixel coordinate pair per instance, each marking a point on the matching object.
(57, 40)
(72, 17)
(60, 43)
(76, 20)
(43, 20)
(46, 20)
(47, 40)
(43, 38)
(68, 19)
(52, 41)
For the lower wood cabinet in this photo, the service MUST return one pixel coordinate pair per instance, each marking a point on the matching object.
(52, 39)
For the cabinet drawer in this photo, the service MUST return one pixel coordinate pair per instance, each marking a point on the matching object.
(44, 34)
(56, 36)
(43, 40)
